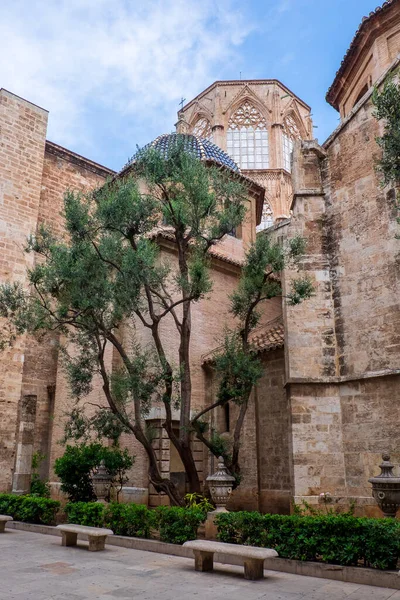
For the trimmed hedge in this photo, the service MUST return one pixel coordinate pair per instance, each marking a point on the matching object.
(335, 539)
(31, 509)
(85, 513)
(134, 520)
(175, 525)
(178, 525)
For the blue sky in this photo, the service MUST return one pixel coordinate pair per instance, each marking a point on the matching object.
(112, 73)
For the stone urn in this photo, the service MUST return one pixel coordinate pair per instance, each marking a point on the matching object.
(220, 485)
(102, 483)
(386, 488)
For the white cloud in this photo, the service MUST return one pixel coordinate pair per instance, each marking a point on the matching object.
(131, 57)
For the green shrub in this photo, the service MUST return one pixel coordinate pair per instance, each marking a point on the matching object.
(75, 470)
(78, 463)
(30, 509)
(178, 525)
(134, 520)
(85, 513)
(38, 486)
(9, 504)
(336, 539)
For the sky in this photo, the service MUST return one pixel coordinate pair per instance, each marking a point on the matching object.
(112, 74)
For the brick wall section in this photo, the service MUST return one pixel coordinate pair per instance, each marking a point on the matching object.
(22, 142)
(34, 175)
(62, 170)
(63, 404)
(273, 435)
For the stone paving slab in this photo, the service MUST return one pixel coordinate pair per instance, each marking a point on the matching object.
(37, 567)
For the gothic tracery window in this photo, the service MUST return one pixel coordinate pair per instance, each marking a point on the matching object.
(267, 218)
(202, 128)
(290, 133)
(247, 138)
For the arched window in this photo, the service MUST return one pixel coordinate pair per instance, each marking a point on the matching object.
(247, 138)
(267, 218)
(202, 128)
(290, 133)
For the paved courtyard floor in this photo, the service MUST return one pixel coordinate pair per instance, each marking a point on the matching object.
(37, 567)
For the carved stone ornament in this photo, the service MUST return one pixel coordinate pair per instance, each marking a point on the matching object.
(101, 483)
(386, 488)
(220, 484)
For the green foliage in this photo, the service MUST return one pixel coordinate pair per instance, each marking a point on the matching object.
(38, 487)
(134, 520)
(30, 509)
(305, 508)
(75, 469)
(102, 425)
(256, 284)
(117, 463)
(238, 364)
(177, 525)
(387, 108)
(198, 501)
(108, 271)
(336, 539)
(219, 445)
(239, 368)
(297, 248)
(85, 513)
(301, 288)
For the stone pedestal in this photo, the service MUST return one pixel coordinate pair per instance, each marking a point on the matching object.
(23, 463)
(210, 528)
(134, 495)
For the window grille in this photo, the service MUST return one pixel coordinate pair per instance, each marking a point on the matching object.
(202, 128)
(247, 138)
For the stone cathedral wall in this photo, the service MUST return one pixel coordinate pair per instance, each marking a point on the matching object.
(22, 142)
(34, 176)
(344, 381)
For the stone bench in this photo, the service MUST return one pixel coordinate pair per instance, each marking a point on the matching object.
(253, 558)
(3, 521)
(96, 535)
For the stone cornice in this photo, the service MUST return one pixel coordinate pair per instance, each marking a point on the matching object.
(77, 159)
(370, 28)
(342, 378)
(243, 82)
(360, 104)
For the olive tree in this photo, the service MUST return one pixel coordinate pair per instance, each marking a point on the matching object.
(108, 271)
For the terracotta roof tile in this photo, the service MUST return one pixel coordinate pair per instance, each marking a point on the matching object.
(217, 251)
(267, 337)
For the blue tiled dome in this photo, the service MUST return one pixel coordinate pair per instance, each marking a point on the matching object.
(197, 146)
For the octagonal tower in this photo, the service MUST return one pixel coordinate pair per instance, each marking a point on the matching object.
(256, 122)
